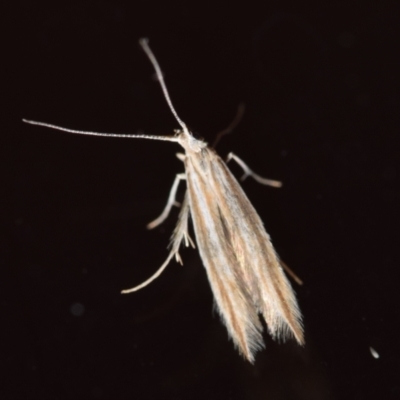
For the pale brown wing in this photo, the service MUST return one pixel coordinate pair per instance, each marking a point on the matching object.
(239, 258)
(233, 300)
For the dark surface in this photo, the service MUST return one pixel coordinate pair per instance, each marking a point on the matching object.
(321, 88)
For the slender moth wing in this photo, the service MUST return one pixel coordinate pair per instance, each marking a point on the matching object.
(242, 266)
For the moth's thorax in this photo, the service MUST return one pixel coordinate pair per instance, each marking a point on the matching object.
(189, 142)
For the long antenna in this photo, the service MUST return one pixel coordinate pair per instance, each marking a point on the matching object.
(144, 42)
(116, 135)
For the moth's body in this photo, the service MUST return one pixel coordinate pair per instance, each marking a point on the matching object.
(244, 271)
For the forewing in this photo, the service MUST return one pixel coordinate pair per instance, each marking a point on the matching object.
(242, 266)
(232, 296)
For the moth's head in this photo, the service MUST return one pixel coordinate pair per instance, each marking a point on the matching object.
(188, 141)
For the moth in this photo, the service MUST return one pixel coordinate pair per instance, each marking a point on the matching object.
(244, 271)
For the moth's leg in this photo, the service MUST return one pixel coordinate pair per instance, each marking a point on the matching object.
(180, 234)
(171, 202)
(180, 156)
(248, 172)
(291, 273)
(152, 278)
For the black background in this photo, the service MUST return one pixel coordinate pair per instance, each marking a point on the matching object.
(320, 81)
